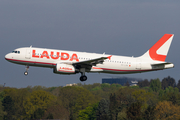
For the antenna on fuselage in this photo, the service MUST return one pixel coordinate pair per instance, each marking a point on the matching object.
(31, 46)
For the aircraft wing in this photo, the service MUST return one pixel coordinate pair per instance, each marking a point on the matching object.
(89, 63)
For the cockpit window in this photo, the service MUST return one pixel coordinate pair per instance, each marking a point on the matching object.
(18, 52)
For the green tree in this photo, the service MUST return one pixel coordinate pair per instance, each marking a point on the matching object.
(168, 81)
(8, 105)
(113, 87)
(35, 88)
(178, 85)
(2, 113)
(134, 111)
(113, 107)
(149, 113)
(50, 116)
(56, 111)
(103, 110)
(76, 98)
(171, 94)
(89, 86)
(144, 97)
(18, 96)
(167, 111)
(99, 94)
(161, 93)
(38, 114)
(124, 97)
(105, 86)
(123, 100)
(155, 85)
(144, 83)
(96, 88)
(37, 101)
(89, 113)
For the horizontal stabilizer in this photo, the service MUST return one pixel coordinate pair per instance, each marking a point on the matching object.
(164, 65)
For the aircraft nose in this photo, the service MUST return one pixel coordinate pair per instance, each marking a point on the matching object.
(7, 56)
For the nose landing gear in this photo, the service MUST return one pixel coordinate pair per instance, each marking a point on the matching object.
(26, 72)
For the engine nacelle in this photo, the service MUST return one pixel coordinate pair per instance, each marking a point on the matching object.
(64, 69)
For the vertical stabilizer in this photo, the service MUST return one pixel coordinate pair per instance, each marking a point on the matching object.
(160, 49)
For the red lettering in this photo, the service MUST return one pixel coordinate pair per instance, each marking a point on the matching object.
(34, 54)
(65, 68)
(45, 54)
(57, 55)
(74, 57)
(64, 56)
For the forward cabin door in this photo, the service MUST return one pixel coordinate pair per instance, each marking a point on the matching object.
(28, 53)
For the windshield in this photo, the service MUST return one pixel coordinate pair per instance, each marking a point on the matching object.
(18, 52)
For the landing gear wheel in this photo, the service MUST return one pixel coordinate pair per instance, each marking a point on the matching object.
(83, 78)
(25, 73)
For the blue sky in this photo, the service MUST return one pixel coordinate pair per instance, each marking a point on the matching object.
(118, 27)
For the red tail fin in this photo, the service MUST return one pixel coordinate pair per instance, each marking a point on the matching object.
(159, 50)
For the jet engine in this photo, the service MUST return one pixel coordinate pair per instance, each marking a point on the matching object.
(64, 69)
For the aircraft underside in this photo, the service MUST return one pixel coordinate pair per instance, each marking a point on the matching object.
(83, 76)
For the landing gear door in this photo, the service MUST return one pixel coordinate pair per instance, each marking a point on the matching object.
(28, 53)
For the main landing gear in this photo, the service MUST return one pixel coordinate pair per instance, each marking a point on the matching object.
(26, 72)
(83, 76)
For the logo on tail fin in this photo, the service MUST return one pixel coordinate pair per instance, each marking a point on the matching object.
(154, 49)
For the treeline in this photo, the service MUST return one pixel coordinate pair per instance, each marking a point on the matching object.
(150, 100)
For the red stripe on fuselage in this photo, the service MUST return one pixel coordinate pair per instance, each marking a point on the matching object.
(23, 61)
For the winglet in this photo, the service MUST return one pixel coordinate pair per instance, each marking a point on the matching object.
(109, 57)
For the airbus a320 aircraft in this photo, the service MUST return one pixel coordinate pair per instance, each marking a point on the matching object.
(72, 62)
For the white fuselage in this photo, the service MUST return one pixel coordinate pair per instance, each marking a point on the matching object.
(43, 57)
(72, 62)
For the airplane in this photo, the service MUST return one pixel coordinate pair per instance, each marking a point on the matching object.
(72, 62)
